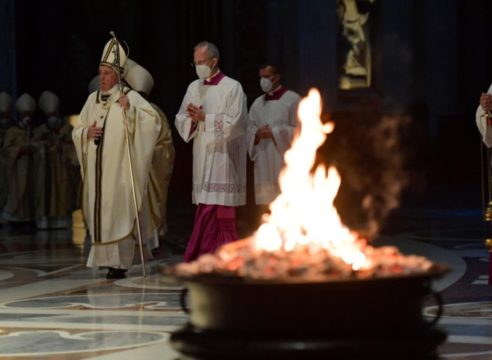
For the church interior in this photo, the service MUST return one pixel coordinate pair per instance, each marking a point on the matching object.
(421, 64)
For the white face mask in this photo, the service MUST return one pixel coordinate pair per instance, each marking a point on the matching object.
(53, 122)
(266, 84)
(203, 71)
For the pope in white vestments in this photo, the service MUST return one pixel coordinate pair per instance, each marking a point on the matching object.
(213, 115)
(272, 121)
(100, 142)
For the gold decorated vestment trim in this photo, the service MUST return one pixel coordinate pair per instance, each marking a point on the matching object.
(98, 174)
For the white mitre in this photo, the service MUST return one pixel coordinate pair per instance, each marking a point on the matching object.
(49, 102)
(110, 56)
(138, 77)
(25, 103)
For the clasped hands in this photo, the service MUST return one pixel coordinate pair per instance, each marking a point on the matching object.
(196, 113)
(264, 132)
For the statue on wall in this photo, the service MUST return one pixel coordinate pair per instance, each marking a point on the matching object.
(356, 69)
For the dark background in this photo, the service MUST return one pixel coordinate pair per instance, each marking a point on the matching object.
(432, 59)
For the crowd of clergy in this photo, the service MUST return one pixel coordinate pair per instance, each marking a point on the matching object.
(39, 175)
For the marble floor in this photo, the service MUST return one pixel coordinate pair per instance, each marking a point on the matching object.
(53, 307)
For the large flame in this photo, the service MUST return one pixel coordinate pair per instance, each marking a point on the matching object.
(303, 215)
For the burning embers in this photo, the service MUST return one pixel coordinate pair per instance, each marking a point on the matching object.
(241, 258)
(303, 238)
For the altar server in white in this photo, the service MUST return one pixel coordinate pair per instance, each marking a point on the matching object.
(272, 121)
(214, 115)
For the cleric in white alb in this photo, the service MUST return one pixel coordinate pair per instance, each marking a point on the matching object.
(213, 115)
(272, 121)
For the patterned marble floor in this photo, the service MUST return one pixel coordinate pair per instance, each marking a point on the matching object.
(53, 307)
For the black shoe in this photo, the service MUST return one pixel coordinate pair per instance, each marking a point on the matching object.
(116, 273)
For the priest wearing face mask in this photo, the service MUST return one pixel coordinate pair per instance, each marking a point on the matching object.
(100, 141)
(57, 177)
(272, 121)
(213, 114)
(21, 164)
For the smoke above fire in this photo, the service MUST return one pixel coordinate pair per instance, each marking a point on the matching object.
(365, 148)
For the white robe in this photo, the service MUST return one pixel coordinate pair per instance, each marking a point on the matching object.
(268, 154)
(484, 128)
(219, 142)
(107, 201)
